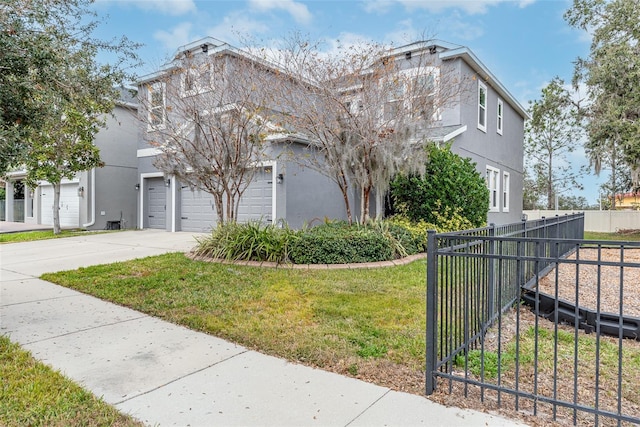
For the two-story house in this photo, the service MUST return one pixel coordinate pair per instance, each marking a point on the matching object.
(101, 198)
(486, 124)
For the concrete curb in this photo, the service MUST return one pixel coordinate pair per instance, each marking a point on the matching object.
(289, 266)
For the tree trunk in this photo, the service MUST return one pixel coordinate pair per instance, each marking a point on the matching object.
(56, 207)
(217, 199)
(364, 208)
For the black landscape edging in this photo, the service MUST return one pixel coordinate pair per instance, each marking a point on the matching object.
(587, 319)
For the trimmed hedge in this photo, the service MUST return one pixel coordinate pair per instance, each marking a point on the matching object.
(339, 243)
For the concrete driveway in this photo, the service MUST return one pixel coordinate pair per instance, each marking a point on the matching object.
(165, 374)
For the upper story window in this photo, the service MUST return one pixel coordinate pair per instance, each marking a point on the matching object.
(156, 98)
(500, 113)
(493, 184)
(195, 80)
(414, 90)
(482, 106)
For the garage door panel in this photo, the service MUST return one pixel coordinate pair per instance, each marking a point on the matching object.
(156, 203)
(198, 211)
(256, 201)
(69, 205)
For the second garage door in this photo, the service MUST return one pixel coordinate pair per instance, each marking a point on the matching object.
(198, 213)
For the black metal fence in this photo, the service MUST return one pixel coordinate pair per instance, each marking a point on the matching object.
(483, 342)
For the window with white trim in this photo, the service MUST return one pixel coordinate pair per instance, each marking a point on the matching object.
(505, 191)
(500, 113)
(157, 105)
(414, 90)
(195, 80)
(493, 184)
(482, 106)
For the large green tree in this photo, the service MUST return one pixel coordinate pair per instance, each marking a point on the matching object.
(552, 133)
(54, 93)
(611, 73)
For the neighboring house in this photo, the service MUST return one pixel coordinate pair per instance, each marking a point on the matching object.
(94, 200)
(628, 201)
(487, 125)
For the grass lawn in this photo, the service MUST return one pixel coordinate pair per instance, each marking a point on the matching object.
(28, 236)
(594, 235)
(341, 319)
(32, 394)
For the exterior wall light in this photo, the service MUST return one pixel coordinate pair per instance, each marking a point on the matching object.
(167, 183)
(279, 178)
(138, 187)
(80, 191)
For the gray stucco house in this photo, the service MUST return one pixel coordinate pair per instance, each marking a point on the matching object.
(487, 125)
(94, 200)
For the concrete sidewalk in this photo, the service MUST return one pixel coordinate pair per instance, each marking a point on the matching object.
(165, 374)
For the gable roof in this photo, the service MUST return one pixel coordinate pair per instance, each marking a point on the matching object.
(449, 51)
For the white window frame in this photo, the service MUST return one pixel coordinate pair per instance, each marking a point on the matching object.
(404, 99)
(493, 184)
(500, 117)
(197, 74)
(162, 108)
(506, 185)
(482, 107)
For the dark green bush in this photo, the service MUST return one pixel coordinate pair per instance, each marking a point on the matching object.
(451, 186)
(339, 243)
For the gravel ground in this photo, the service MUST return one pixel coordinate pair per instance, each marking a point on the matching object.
(612, 278)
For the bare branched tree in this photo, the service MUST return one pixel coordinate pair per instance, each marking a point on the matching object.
(367, 110)
(208, 116)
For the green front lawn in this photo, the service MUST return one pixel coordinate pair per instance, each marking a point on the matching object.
(32, 394)
(28, 236)
(320, 317)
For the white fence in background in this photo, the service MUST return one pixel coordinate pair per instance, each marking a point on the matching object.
(602, 221)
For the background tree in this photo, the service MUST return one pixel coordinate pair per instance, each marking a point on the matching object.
(367, 119)
(212, 128)
(54, 92)
(450, 184)
(551, 134)
(611, 73)
(36, 39)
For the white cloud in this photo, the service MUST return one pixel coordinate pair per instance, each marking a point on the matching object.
(463, 30)
(298, 11)
(237, 26)
(167, 7)
(175, 37)
(471, 7)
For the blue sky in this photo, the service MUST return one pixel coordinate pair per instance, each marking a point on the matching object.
(525, 43)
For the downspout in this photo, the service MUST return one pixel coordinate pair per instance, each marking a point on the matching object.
(93, 200)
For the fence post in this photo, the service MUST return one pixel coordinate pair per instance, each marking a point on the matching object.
(432, 312)
(492, 273)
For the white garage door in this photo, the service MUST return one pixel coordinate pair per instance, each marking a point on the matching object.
(69, 205)
(198, 211)
(256, 201)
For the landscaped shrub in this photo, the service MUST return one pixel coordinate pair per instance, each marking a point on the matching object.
(417, 231)
(339, 243)
(251, 241)
(450, 186)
